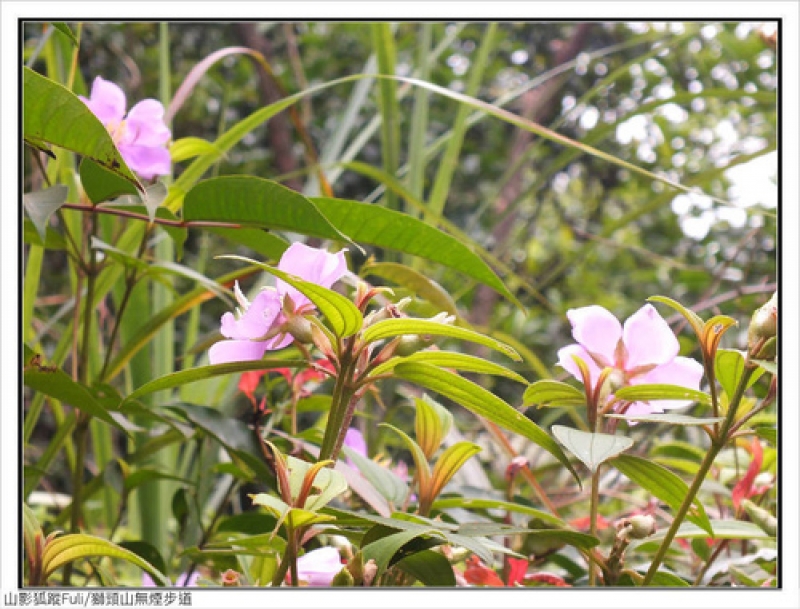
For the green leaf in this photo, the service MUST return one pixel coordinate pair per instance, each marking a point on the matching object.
(343, 316)
(385, 481)
(636, 393)
(668, 418)
(448, 464)
(450, 359)
(256, 202)
(767, 365)
(42, 204)
(146, 551)
(54, 115)
(57, 384)
(64, 29)
(579, 540)
(429, 567)
(189, 147)
(418, 283)
(383, 227)
(469, 503)
(328, 483)
(722, 529)
(100, 184)
(68, 548)
(591, 448)
(261, 241)
(389, 328)
(420, 460)
(729, 367)
(383, 550)
(481, 402)
(431, 424)
(176, 379)
(553, 393)
(693, 318)
(662, 483)
(770, 434)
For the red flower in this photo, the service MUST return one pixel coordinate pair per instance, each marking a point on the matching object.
(744, 489)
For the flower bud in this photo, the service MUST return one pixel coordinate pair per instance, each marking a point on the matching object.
(411, 343)
(641, 526)
(343, 579)
(300, 328)
(763, 330)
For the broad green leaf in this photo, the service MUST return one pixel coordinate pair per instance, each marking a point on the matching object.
(365, 223)
(200, 373)
(770, 434)
(429, 567)
(420, 284)
(343, 316)
(450, 359)
(591, 448)
(261, 241)
(146, 551)
(64, 29)
(583, 541)
(389, 328)
(669, 418)
(189, 147)
(100, 184)
(256, 202)
(548, 392)
(68, 548)
(383, 550)
(431, 424)
(57, 384)
(693, 318)
(42, 204)
(636, 393)
(385, 481)
(729, 367)
(666, 579)
(481, 402)
(662, 483)
(54, 115)
(469, 503)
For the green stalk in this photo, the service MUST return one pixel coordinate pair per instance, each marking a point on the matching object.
(387, 102)
(593, 523)
(341, 401)
(717, 444)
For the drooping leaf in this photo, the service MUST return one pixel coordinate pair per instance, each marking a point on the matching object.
(343, 316)
(54, 115)
(693, 318)
(635, 393)
(365, 223)
(42, 204)
(261, 241)
(200, 373)
(450, 359)
(429, 567)
(481, 402)
(668, 417)
(662, 483)
(384, 549)
(100, 184)
(389, 328)
(591, 448)
(417, 282)
(256, 202)
(549, 392)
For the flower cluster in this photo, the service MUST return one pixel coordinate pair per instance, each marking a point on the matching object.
(642, 351)
(262, 324)
(140, 136)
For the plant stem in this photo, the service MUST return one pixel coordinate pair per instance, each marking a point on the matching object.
(717, 445)
(341, 412)
(593, 522)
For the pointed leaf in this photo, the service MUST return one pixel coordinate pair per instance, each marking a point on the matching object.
(450, 359)
(669, 418)
(383, 227)
(389, 328)
(635, 393)
(256, 202)
(729, 367)
(431, 425)
(548, 392)
(176, 379)
(591, 448)
(68, 548)
(100, 184)
(42, 204)
(189, 147)
(420, 461)
(693, 318)
(64, 29)
(481, 402)
(719, 529)
(418, 283)
(713, 330)
(469, 503)
(383, 550)
(343, 316)
(54, 115)
(449, 463)
(429, 567)
(662, 483)
(385, 481)
(328, 483)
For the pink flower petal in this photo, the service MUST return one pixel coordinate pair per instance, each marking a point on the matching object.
(318, 567)
(354, 440)
(310, 264)
(226, 351)
(565, 360)
(597, 330)
(146, 125)
(147, 161)
(254, 323)
(682, 371)
(106, 101)
(648, 339)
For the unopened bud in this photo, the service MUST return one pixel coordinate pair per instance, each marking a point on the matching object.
(763, 330)
(300, 328)
(411, 343)
(517, 463)
(343, 579)
(370, 571)
(641, 526)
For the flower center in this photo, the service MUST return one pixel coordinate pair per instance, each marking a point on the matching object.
(117, 130)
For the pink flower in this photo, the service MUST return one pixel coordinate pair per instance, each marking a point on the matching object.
(643, 351)
(140, 136)
(259, 327)
(319, 567)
